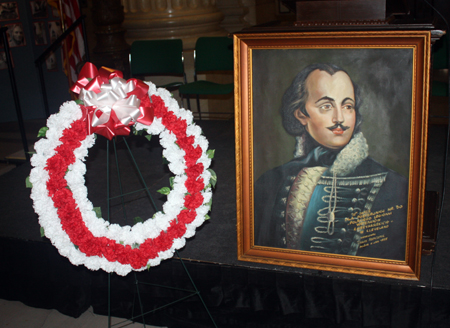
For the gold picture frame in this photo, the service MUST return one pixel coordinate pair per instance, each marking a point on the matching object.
(381, 237)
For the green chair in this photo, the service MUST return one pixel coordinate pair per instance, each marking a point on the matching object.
(211, 54)
(439, 85)
(158, 58)
(438, 111)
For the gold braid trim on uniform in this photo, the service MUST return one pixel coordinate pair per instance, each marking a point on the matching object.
(298, 200)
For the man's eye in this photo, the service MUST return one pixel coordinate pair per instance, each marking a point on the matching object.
(348, 107)
(326, 107)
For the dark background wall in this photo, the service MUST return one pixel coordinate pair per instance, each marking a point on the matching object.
(26, 73)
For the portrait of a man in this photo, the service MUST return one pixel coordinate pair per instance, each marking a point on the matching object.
(16, 36)
(9, 11)
(332, 196)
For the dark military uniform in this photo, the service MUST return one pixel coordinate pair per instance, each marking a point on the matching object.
(302, 205)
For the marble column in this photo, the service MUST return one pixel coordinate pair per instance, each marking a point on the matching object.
(111, 49)
(234, 12)
(162, 19)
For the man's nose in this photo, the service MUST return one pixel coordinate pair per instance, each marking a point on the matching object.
(338, 115)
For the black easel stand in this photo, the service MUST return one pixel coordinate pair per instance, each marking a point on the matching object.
(190, 293)
(12, 79)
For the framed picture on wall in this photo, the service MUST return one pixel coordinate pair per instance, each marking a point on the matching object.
(9, 11)
(39, 9)
(51, 62)
(16, 36)
(55, 12)
(40, 34)
(3, 62)
(55, 30)
(331, 149)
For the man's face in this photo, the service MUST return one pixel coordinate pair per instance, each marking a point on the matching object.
(331, 109)
(18, 33)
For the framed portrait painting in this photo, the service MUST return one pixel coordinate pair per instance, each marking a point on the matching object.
(3, 62)
(39, 9)
(40, 34)
(16, 36)
(9, 11)
(55, 30)
(331, 132)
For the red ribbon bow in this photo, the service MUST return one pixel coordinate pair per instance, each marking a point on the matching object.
(92, 80)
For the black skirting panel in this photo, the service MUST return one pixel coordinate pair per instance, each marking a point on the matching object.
(35, 274)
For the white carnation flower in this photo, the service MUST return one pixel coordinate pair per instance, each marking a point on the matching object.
(151, 228)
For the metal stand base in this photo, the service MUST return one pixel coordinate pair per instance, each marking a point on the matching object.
(137, 295)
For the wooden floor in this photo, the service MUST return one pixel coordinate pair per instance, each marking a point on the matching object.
(17, 315)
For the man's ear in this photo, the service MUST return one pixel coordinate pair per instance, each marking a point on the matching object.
(301, 117)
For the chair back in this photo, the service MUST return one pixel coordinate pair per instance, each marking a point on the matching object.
(157, 57)
(214, 54)
(440, 53)
(439, 83)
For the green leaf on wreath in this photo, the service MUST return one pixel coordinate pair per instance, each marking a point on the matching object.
(148, 267)
(42, 132)
(31, 153)
(28, 184)
(79, 102)
(207, 217)
(210, 202)
(164, 190)
(42, 232)
(210, 153)
(138, 219)
(137, 132)
(98, 212)
(121, 242)
(76, 247)
(165, 161)
(135, 245)
(171, 181)
(213, 180)
(148, 137)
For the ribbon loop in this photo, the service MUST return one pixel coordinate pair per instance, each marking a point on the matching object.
(111, 103)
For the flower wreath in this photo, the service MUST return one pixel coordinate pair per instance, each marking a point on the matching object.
(58, 186)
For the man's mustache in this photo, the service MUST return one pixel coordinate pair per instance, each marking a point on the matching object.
(338, 125)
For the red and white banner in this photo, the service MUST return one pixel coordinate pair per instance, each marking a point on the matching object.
(73, 50)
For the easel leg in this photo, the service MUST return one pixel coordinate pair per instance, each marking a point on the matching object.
(142, 315)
